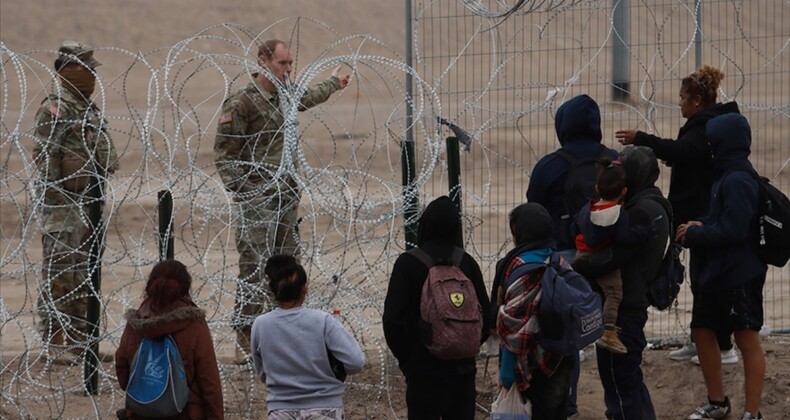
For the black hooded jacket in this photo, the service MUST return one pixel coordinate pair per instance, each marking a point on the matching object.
(439, 229)
(690, 159)
(645, 206)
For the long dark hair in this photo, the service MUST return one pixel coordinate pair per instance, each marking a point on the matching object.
(168, 281)
(286, 277)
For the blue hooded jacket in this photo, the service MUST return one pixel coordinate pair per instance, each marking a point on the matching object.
(726, 241)
(578, 126)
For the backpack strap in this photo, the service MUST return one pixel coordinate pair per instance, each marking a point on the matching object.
(573, 159)
(173, 340)
(661, 200)
(428, 261)
(519, 271)
(458, 256)
(423, 256)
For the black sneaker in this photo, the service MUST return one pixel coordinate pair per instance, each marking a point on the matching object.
(709, 410)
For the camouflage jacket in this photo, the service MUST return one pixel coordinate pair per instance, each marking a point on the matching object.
(248, 149)
(72, 144)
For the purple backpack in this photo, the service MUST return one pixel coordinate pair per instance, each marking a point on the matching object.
(451, 317)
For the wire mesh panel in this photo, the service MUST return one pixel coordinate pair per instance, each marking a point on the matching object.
(503, 68)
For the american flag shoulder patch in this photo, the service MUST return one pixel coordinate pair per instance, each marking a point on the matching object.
(225, 118)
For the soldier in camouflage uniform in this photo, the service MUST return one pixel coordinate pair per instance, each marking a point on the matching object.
(73, 153)
(248, 153)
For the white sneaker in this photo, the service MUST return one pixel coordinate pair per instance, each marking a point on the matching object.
(728, 357)
(684, 353)
(708, 410)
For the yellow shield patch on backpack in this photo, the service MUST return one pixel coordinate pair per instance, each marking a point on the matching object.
(457, 299)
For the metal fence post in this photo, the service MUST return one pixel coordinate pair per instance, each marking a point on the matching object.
(454, 180)
(621, 63)
(91, 362)
(166, 250)
(410, 202)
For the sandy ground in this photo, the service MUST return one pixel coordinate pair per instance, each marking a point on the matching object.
(155, 52)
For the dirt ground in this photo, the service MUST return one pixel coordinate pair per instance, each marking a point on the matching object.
(675, 387)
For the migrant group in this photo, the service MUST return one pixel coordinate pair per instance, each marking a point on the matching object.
(590, 213)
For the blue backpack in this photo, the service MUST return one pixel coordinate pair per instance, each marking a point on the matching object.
(571, 313)
(158, 382)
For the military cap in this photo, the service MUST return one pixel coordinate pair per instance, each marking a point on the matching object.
(70, 49)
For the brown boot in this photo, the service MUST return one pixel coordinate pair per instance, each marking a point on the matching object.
(611, 341)
(242, 347)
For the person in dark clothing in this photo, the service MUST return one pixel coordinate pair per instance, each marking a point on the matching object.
(597, 226)
(435, 388)
(692, 168)
(578, 127)
(625, 393)
(728, 294)
(543, 378)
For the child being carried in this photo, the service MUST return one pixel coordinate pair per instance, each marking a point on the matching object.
(599, 225)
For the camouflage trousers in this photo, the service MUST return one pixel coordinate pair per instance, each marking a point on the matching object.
(63, 292)
(267, 226)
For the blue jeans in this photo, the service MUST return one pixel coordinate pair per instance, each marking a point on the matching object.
(625, 393)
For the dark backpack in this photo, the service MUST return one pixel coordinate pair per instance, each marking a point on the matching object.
(571, 314)
(157, 383)
(578, 190)
(773, 223)
(451, 321)
(664, 288)
(773, 245)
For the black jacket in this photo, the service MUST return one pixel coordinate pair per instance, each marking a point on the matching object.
(437, 234)
(645, 206)
(690, 159)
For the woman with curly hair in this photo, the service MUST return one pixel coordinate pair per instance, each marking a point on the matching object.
(689, 156)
